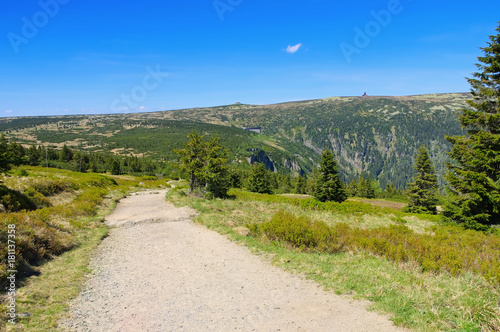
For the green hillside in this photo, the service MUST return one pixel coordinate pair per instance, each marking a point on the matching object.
(372, 136)
(156, 138)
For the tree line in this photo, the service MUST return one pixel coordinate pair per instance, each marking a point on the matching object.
(14, 154)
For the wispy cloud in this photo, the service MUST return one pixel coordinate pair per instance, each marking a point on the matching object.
(293, 49)
(8, 111)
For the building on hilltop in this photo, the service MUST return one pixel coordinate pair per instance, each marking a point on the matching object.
(254, 129)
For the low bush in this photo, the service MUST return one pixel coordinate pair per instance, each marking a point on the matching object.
(98, 180)
(37, 198)
(48, 230)
(35, 241)
(446, 249)
(14, 200)
(348, 207)
(48, 187)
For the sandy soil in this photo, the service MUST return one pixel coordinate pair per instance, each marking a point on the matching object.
(158, 271)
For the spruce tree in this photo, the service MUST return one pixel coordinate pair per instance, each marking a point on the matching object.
(259, 180)
(474, 176)
(301, 185)
(328, 185)
(206, 164)
(365, 188)
(6, 156)
(215, 173)
(115, 167)
(192, 158)
(422, 191)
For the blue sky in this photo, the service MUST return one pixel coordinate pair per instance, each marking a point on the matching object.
(85, 57)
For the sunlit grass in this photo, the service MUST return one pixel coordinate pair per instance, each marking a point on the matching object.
(73, 222)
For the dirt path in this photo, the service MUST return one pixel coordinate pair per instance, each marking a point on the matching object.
(158, 271)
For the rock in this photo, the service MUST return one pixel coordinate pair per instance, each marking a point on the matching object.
(2, 208)
(23, 315)
(243, 231)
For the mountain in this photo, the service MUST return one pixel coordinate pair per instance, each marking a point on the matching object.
(375, 136)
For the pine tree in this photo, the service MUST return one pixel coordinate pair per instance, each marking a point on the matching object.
(328, 185)
(474, 176)
(259, 180)
(422, 191)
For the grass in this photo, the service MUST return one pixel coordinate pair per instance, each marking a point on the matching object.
(422, 301)
(78, 210)
(46, 297)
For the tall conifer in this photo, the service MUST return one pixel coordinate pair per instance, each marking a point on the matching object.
(474, 176)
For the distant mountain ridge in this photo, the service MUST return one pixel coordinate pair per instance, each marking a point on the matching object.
(371, 136)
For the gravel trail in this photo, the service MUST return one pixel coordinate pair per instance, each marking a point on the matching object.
(158, 271)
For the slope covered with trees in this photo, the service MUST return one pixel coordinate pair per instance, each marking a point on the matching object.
(373, 137)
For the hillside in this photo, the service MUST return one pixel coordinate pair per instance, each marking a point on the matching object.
(376, 136)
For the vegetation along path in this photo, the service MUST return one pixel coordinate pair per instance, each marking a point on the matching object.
(159, 271)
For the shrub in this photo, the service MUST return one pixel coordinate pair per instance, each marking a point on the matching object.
(37, 198)
(40, 234)
(103, 181)
(35, 241)
(14, 201)
(347, 207)
(449, 249)
(50, 187)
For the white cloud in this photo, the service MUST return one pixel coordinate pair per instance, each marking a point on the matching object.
(293, 49)
(8, 111)
(142, 108)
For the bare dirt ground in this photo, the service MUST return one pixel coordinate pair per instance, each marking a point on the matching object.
(158, 271)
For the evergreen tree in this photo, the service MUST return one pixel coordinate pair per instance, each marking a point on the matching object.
(311, 182)
(301, 185)
(192, 158)
(6, 156)
(352, 189)
(115, 167)
(422, 191)
(215, 171)
(33, 156)
(365, 188)
(236, 177)
(18, 153)
(206, 164)
(65, 154)
(285, 183)
(328, 185)
(474, 176)
(260, 180)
